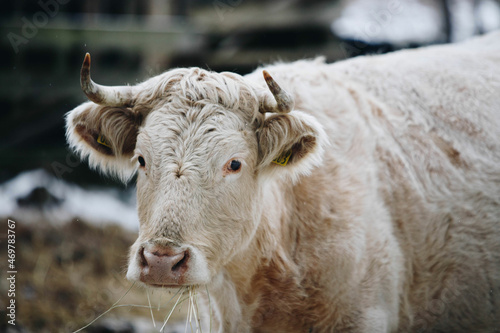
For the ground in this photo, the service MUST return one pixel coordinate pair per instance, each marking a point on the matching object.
(70, 274)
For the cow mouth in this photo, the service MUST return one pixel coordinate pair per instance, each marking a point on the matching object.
(172, 286)
(160, 285)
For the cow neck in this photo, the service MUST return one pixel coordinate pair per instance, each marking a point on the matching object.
(267, 264)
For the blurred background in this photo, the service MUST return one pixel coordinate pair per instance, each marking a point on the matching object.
(74, 227)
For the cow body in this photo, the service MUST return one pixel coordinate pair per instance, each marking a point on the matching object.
(405, 211)
(395, 227)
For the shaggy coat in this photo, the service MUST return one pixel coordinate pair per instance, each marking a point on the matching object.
(386, 218)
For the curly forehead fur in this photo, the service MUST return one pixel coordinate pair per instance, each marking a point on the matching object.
(185, 88)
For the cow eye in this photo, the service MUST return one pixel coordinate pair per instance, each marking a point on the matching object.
(235, 165)
(232, 166)
(141, 161)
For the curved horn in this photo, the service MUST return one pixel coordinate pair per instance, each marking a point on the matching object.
(102, 95)
(280, 101)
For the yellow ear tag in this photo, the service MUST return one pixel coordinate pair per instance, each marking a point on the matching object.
(283, 158)
(101, 140)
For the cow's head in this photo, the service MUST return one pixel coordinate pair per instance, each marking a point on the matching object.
(203, 145)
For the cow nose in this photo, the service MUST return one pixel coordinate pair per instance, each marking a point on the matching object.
(163, 266)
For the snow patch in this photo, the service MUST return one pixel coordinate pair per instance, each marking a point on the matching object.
(405, 22)
(97, 206)
(396, 22)
(488, 13)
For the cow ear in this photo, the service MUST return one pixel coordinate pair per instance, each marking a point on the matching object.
(105, 135)
(290, 144)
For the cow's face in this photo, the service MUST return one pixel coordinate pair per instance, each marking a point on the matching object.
(195, 188)
(203, 150)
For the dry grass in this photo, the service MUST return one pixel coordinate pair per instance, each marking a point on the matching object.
(70, 275)
(184, 296)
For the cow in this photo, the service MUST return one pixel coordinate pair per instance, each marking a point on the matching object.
(358, 196)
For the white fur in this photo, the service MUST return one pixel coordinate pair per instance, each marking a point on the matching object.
(122, 167)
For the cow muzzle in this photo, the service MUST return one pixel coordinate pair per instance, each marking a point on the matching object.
(163, 266)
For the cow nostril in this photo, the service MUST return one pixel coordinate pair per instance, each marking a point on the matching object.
(182, 263)
(144, 261)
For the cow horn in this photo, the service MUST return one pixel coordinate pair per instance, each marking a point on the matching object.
(280, 101)
(102, 95)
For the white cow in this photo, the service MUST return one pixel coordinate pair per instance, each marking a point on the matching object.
(360, 196)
